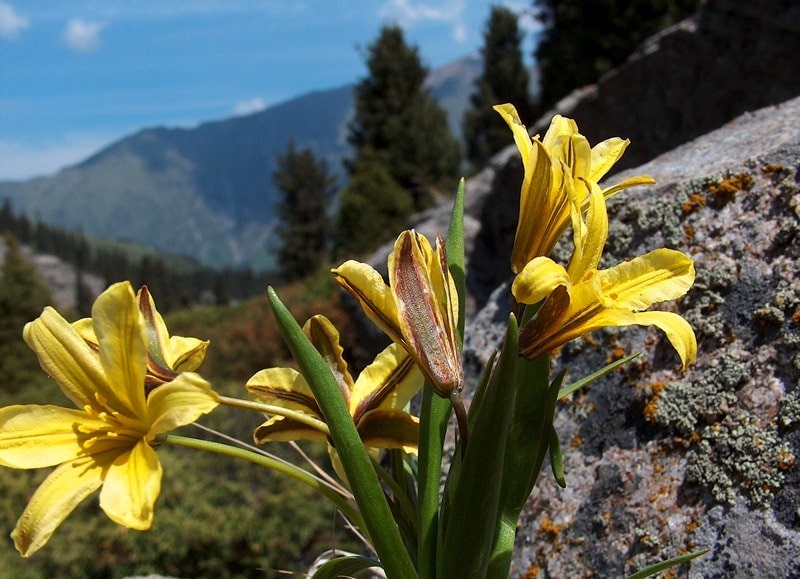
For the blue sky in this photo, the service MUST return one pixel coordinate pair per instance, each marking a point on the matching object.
(76, 75)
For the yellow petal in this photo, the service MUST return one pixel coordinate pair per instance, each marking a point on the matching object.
(678, 331)
(281, 429)
(609, 192)
(559, 128)
(589, 237)
(65, 356)
(179, 402)
(534, 200)
(390, 429)
(388, 383)
(187, 353)
(39, 436)
(120, 330)
(375, 297)
(54, 500)
(131, 487)
(284, 387)
(661, 275)
(539, 277)
(521, 136)
(605, 155)
(85, 329)
(325, 337)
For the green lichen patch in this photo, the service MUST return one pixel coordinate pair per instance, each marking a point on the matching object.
(737, 454)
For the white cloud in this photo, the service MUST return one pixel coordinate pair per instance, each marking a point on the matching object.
(11, 23)
(408, 14)
(82, 36)
(250, 106)
(25, 160)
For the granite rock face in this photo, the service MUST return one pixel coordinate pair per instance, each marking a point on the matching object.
(660, 462)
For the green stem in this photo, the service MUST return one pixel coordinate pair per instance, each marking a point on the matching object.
(433, 419)
(275, 464)
(314, 423)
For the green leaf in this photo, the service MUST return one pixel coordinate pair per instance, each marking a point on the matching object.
(668, 564)
(456, 260)
(372, 503)
(569, 389)
(344, 566)
(529, 435)
(468, 531)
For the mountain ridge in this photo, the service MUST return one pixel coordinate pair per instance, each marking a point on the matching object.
(206, 192)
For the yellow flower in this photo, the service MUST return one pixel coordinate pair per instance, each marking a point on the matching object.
(108, 440)
(376, 399)
(418, 310)
(544, 208)
(167, 356)
(581, 298)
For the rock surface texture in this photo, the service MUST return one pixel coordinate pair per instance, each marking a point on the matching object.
(735, 56)
(661, 462)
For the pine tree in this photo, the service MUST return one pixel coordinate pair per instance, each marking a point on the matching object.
(22, 298)
(584, 39)
(373, 208)
(306, 187)
(504, 80)
(400, 122)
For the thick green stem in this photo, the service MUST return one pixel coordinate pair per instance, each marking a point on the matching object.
(434, 416)
(275, 464)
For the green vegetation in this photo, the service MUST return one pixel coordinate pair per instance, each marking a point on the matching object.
(215, 517)
(399, 125)
(504, 80)
(306, 188)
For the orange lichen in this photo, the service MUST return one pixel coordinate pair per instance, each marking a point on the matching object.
(688, 230)
(694, 203)
(771, 169)
(549, 527)
(796, 318)
(650, 409)
(726, 190)
(532, 572)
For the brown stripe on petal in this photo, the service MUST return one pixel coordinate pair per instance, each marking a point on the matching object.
(376, 398)
(426, 337)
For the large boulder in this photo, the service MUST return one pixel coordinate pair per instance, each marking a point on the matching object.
(660, 462)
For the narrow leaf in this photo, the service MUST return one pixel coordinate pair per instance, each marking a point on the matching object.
(357, 465)
(668, 564)
(344, 567)
(570, 388)
(468, 531)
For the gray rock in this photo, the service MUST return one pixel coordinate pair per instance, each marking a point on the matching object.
(660, 462)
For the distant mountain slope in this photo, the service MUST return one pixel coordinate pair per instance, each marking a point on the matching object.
(207, 192)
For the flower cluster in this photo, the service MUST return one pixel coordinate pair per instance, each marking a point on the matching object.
(132, 383)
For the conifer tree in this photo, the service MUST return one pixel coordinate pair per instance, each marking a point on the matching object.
(400, 122)
(584, 39)
(504, 80)
(22, 298)
(373, 208)
(306, 187)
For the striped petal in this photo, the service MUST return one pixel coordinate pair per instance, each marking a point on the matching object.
(131, 486)
(371, 291)
(284, 387)
(605, 155)
(280, 429)
(388, 383)
(387, 429)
